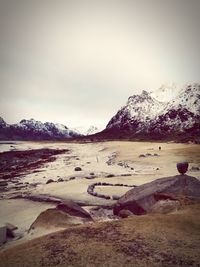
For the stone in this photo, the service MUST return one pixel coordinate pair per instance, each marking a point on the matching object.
(110, 175)
(142, 156)
(166, 206)
(11, 226)
(73, 209)
(60, 180)
(141, 199)
(10, 233)
(77, 169)
(3, 183)
(182, 167)
(195, 168)
(125, 213)
(3, 231)
(114, 197)
(55, 218)
(148, 154)
(50, 181)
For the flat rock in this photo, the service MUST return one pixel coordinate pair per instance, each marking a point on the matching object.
(140, 200)
(73, 209)
(55, 218)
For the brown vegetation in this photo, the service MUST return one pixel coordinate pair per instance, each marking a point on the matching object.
(140, 241)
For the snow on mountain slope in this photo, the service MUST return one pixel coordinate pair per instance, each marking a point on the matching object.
(92, 130)
(188, 98)
(143, 106)
(36, 130)
(85, 130)
(153, 113)
(166, 93)
(138, 110)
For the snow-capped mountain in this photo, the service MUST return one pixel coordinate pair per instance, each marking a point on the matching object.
(92, 130)
(34, 130)
(85, 131)
(163, 113)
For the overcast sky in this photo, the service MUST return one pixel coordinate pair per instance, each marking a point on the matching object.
(77, 61)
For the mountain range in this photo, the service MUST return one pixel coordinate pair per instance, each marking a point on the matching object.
(35, 130)
(167, 113)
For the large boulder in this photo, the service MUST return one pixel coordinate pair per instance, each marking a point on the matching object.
(141, 199)
(53, 218)
(73, 209)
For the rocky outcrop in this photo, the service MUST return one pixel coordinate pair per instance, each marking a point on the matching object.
(141, 199)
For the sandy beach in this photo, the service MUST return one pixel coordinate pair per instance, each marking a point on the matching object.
(102, 162)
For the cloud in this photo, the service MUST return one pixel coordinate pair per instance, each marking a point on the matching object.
(77, 62)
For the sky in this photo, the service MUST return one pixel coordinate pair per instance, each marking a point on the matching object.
(76, 62)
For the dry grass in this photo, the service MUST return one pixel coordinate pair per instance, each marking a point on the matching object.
(140, 241)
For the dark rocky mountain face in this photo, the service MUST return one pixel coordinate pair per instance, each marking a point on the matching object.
(145, 117)
(35, 130)
(2, 123)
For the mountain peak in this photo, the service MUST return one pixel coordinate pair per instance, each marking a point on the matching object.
(166, 111)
